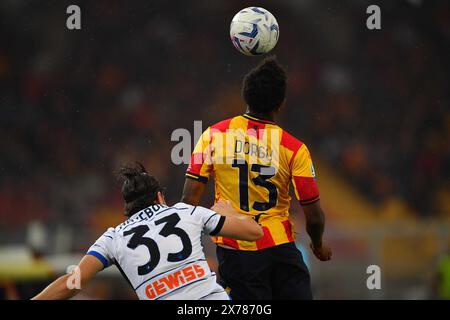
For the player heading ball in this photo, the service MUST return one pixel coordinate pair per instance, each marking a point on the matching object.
(257, 180)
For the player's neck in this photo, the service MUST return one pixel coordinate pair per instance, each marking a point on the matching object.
(262, 116)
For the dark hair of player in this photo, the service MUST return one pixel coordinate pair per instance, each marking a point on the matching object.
(264, 87)
(139, 189)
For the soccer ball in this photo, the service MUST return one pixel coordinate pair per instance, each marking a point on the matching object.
(254, 31)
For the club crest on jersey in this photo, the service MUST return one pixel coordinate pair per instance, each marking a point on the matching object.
(313, 172)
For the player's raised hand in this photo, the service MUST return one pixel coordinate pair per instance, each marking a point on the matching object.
(236, 225)
(323, 253)
(225, 208)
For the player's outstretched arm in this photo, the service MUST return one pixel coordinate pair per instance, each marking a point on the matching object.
(65, 287)
(192, 192)
(315, 225)
(236, 225)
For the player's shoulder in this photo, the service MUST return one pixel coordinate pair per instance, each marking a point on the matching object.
(110, 233)
(191, 210)
(181, 208)
(223, 125)
(290, 142)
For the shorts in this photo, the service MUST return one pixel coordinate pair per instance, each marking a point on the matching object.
(276, 273)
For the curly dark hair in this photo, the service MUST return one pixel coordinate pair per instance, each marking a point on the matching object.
(139, 189)
(264, 87)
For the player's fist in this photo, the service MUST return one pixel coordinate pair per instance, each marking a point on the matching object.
(323, 253)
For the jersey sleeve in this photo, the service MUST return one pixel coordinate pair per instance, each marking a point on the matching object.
(211, 221)
(200, 165)
(304, 177)
(103, 248)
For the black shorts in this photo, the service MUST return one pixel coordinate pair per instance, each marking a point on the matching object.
(276, 273)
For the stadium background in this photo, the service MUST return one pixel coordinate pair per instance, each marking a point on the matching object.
(373, 106)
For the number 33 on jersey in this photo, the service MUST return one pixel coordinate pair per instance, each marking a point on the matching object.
(158, 250)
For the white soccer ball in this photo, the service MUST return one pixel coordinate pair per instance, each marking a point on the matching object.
(254, 31)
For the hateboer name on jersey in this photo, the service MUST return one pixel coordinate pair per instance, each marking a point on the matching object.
(144, 215)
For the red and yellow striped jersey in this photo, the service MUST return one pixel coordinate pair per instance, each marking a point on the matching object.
(253, 161)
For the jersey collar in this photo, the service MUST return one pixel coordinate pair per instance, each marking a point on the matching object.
(257, 119)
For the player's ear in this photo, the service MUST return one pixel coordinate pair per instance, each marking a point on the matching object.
(281, 105)
(160, 198)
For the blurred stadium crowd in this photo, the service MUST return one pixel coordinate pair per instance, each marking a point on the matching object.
(76, 104)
